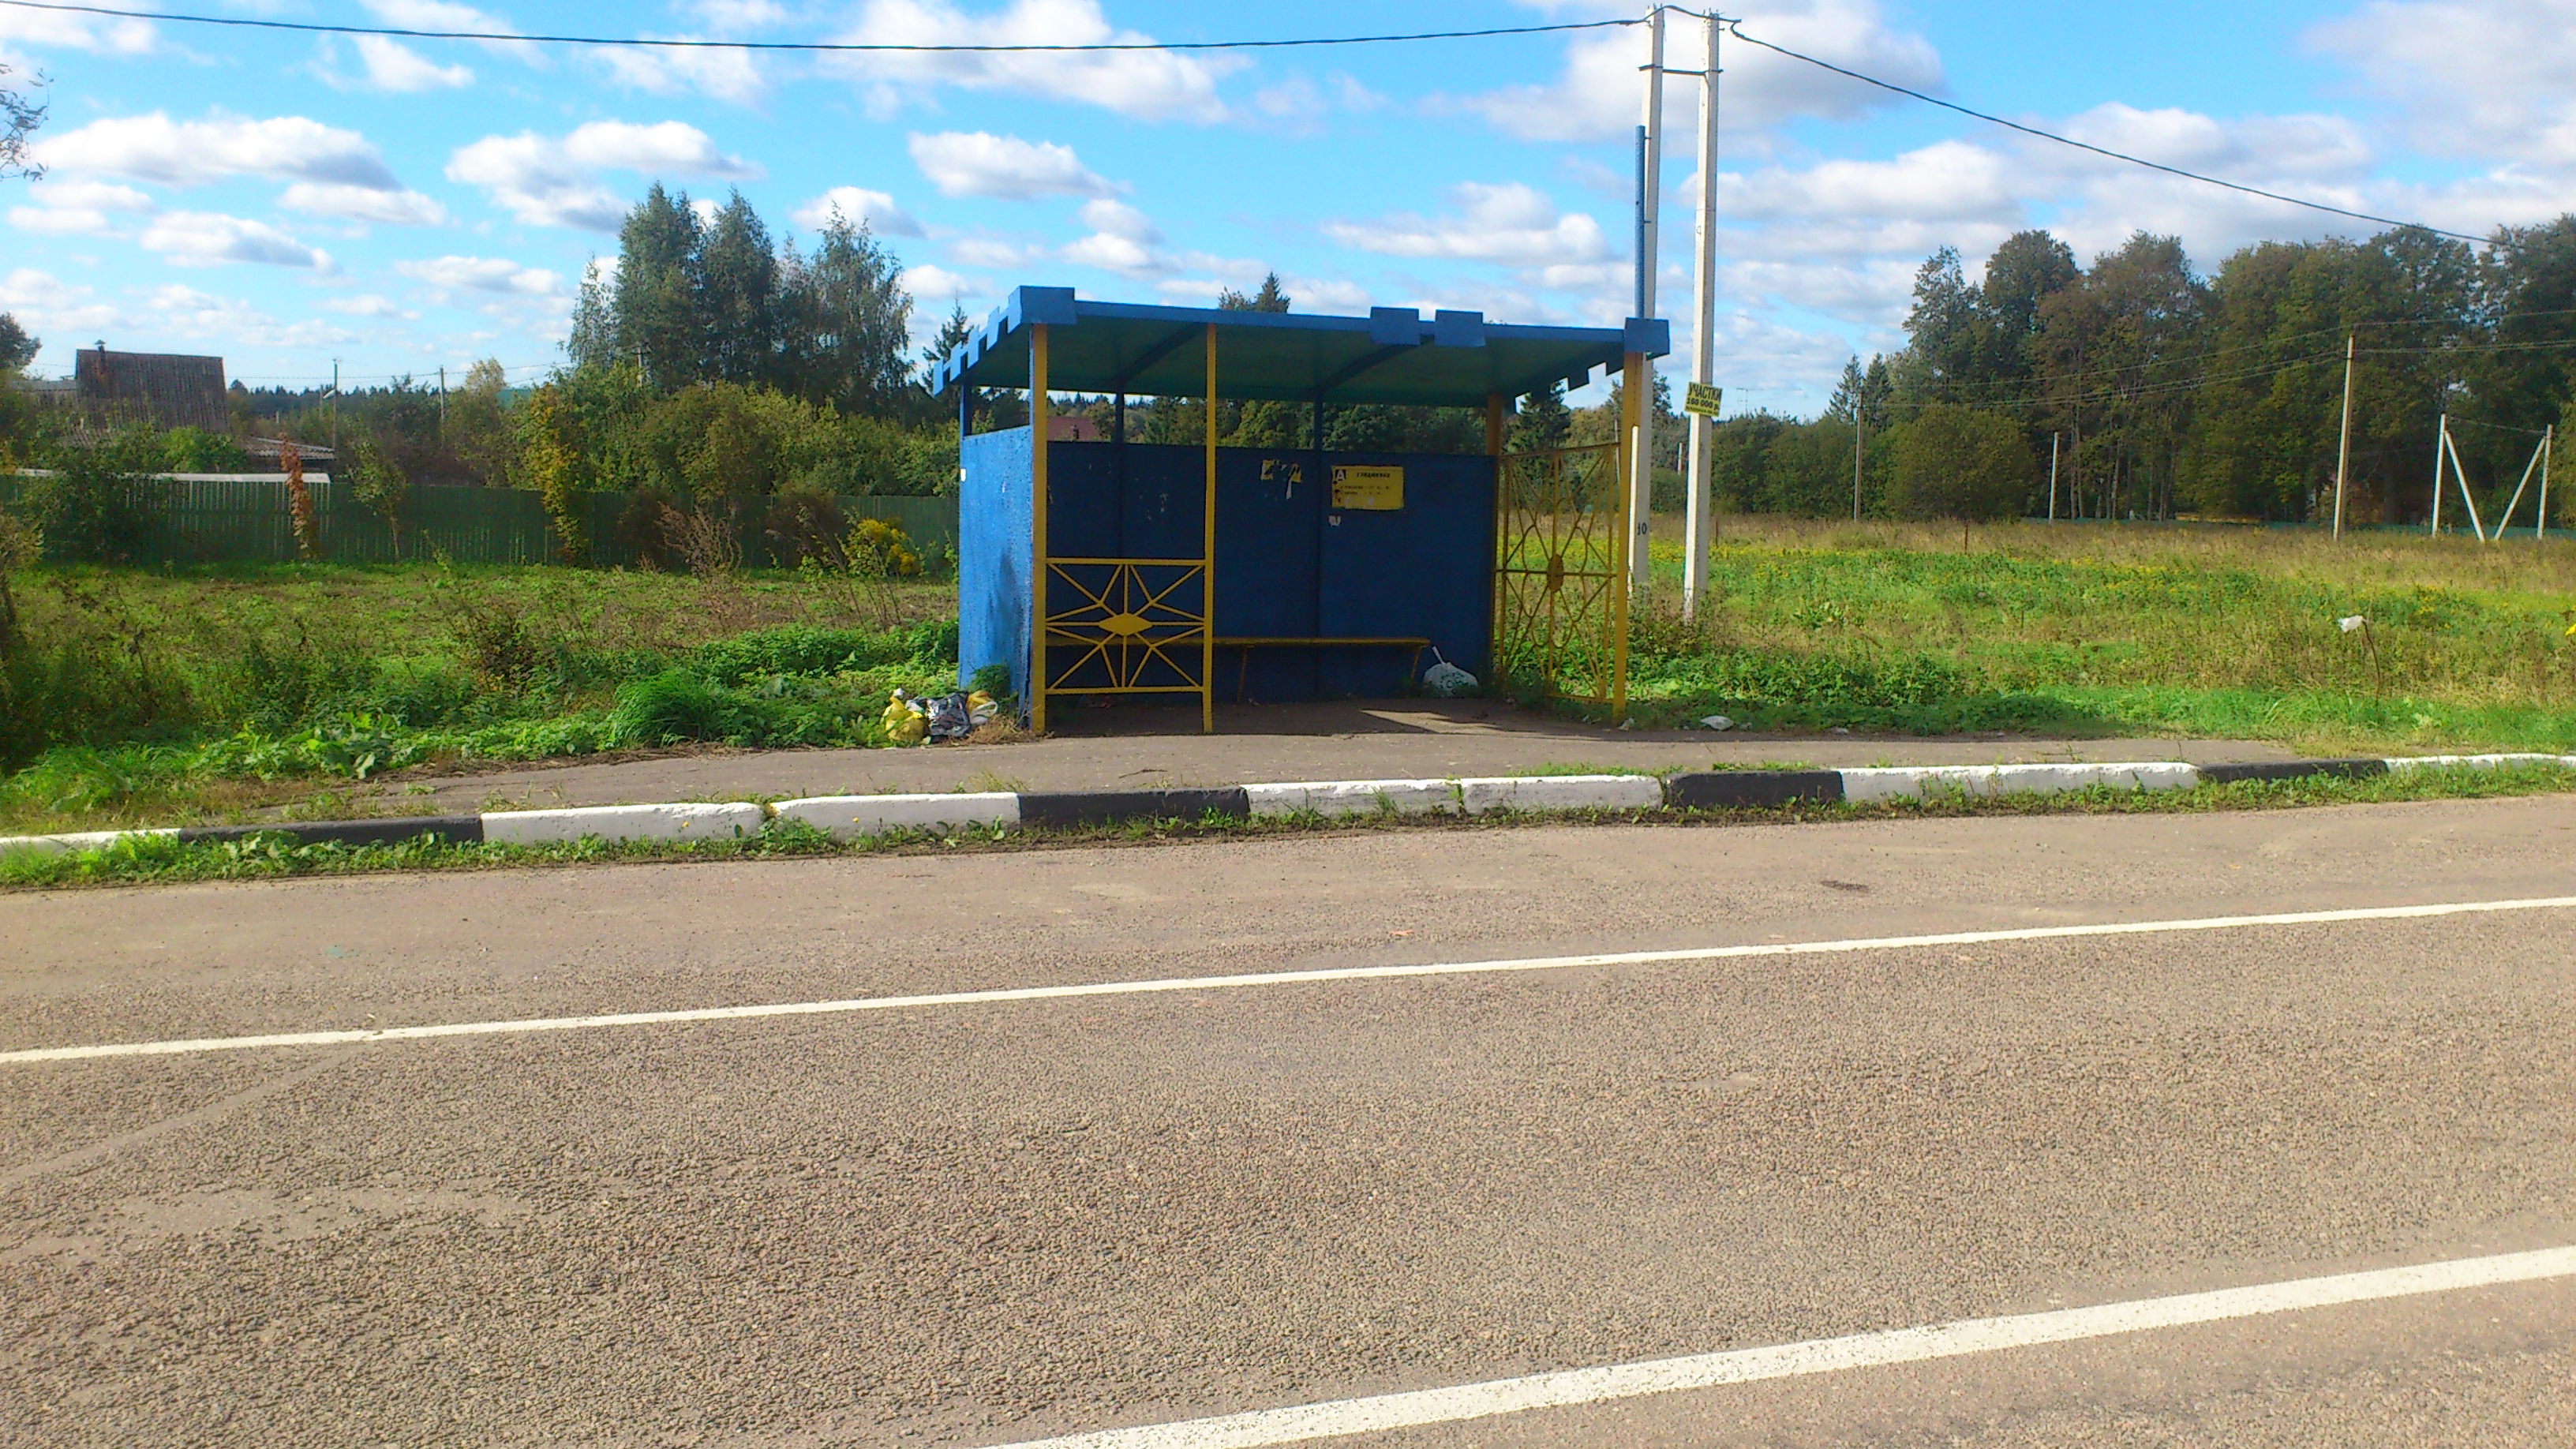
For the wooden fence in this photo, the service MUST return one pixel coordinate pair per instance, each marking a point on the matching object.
(246, 520)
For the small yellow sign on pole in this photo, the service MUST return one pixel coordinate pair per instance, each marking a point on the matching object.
(1700, 400)
(1368, 488)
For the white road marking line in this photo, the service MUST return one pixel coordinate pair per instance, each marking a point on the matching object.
(1382, 1412)
(1265, 978)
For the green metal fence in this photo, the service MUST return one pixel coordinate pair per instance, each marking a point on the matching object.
(247, 521)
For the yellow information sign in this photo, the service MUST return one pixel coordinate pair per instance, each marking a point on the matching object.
(1701, 400)
(1373, 488)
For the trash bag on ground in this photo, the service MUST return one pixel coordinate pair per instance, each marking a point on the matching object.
(1445, 679)
(904, 721)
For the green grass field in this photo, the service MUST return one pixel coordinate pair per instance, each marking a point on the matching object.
(2088, 629)
(208, 694)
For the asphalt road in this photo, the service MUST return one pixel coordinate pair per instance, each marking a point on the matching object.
(997, 1221)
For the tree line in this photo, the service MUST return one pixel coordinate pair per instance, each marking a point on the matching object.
(2161, 392)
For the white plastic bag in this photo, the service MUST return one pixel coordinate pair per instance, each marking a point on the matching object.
(1447, 680)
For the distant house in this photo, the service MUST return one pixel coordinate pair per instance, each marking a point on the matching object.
(166, 389)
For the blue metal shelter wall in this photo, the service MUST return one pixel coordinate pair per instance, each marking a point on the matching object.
(1287, 566)
(994, 591)
(1425, 569)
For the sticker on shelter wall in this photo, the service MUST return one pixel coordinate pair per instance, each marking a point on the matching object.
(1368, 488)
(1700, 400)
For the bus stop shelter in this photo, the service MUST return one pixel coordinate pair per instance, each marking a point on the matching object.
(1109, 567)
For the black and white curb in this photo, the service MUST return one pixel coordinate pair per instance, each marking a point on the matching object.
(854, 817)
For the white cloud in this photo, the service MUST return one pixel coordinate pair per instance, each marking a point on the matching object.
(929, 283)
(547, 181)
(1511, 224)
(979, 163)
(1950, 180)
(187, 312)
(1148, 84)
(1118, 219)
(191, 153)
(96, 195)
(78, 208)
(992, 253)
(727, 74)
(61, 220)
(358, 203)
(875, 208)
(1298, 105)
(2484, 78)
(1598, 95)
(1118, 254)
(393, 66)
(672, 147)
(57, 30)
(1122, 241)
(366, 306)
(483, 274)
(735, 16)
(529, 176)
(446, 15)
(207, 238)
(44, 302)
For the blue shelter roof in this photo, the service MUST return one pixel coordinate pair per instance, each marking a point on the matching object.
(1392, 355)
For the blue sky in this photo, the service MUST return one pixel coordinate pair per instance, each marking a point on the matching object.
(286, 200)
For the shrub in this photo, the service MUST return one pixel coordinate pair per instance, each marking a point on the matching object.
(376, 481)
(500, 651)
(101, 502)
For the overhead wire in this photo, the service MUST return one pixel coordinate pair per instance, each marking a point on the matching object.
(1735, 29)
(396, 32)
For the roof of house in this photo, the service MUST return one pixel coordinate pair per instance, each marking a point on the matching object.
(1392, 355)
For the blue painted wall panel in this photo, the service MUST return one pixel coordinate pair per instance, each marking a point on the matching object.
(993, 589)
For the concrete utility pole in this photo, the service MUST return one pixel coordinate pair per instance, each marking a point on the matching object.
(2052, 477)
(1699, 518)
(2343, 450)
(1650, 180)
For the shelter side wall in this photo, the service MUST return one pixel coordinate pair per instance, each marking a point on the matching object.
(995, 589)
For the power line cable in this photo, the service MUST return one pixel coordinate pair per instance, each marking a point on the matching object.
(245, 22)
(1735, 29)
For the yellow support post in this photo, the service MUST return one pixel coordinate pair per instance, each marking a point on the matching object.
(1037, 526)
(1632, 390)
(1207, 569)
(1502, 546)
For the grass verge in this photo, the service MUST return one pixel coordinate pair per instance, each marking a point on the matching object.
(160, 861)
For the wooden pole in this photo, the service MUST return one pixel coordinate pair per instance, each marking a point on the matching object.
(2343, 450)
(1037, 526)
(2052, 477)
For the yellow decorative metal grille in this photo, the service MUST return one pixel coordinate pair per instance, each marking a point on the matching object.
(1134, 626)
(1560, 579)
